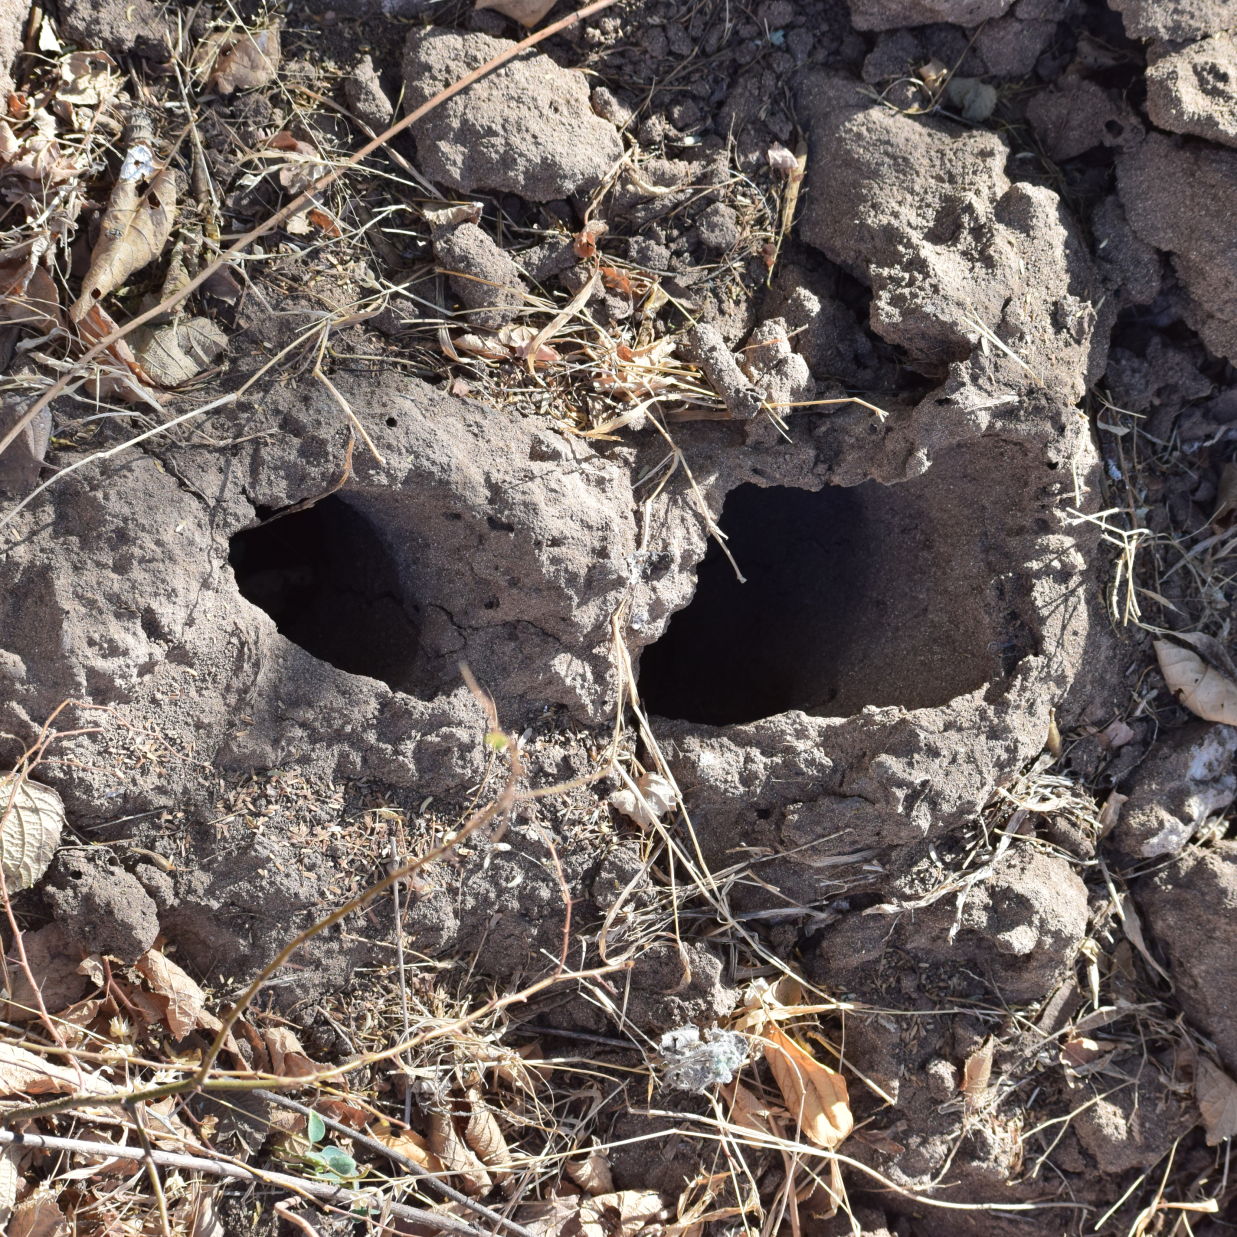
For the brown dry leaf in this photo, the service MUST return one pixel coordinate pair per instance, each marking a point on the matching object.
(526, 12)
(484, 1135)
(656, 797)
(239, 61)
(38, 1215)
(1226, 493)
(135, 229)
(413, 1147)
(184, 1002)
(1110, 812)
(1117, 734)
(1080, 1051)
(1216, 1094)
(623, 1214)
(1201, 688)
(586, 238)
(456, 1156)
(815, 1096)
(23, 1073)
(288, 1059)
(748, 1109)
(592, 1174)
(976, 1073)
(88, 78)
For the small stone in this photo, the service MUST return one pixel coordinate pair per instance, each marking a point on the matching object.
(366, 98)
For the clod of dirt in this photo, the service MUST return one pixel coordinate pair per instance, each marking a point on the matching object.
(1181, 20)
(1183, 199)
(1189, 907)
(100, 907)
(118, 26)
(53, 962)
(889, 14)
(12, 24)
(366, 98)
(1126, 263)
(1077, 115)
(527, 128)
(1011, 45)
(1194, 90)
(1188, 778)
(1132, 1127)
(1033, 909)
(482, 275)
(923, 211)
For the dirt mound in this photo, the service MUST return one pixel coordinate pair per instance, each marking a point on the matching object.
(670, 543)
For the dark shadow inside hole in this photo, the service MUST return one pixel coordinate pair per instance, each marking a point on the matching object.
(327, 579)
(871, 595)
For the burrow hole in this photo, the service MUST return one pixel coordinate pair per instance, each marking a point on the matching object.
(328, 580)
(871, 595)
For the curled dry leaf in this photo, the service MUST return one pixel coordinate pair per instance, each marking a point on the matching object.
(135, 229)
(526, 12)
(9, 1180)
(976, 1073)
(484, 1135)
(185, 1003)
(413, 1147)
(288, 1059)
(455, 1155)
(241, 61)
(24, 1073)
(655, 799)
(592, 1174)
(623, 1214)
(1203, 689)
(31, 818)
(1216, 1094)
(815, 1095)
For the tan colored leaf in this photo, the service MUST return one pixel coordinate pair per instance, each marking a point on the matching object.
(23, 1073)
(592, 1174)
(288, 1059)
(1216, 1094)
(652, 799)
(185, 1002)
(135, 228)
(748, 1109)
(1201, 688)
(38, 1215)
(526, 12)
(455, 1154)
(977, 1071)
(31, 817)
(484, 1135)
(621, 1215)
(1110, 812)
(815, 1096)
(242, 61)
(415, 1148)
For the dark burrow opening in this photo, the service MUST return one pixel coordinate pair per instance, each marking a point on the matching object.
(331, 585)
(871, 595)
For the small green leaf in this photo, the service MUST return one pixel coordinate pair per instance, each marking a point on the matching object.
(339, 1163)
(496, 741)
(316, 1130)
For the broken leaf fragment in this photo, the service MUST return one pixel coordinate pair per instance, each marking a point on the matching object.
(652, 798)
(1216, 1094)
(1200, 687)
(31, 818)
(815, 1095)
(135, 228)
(244, 60)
